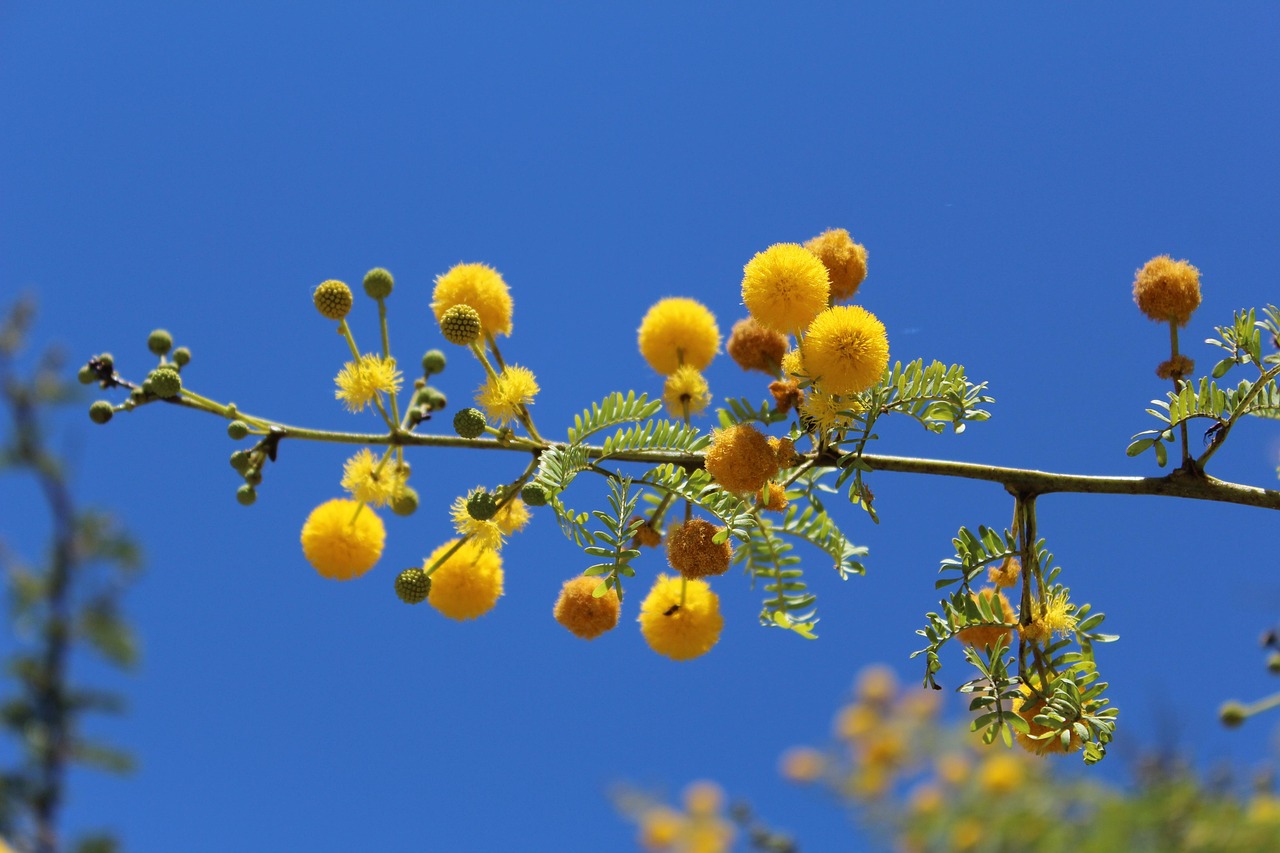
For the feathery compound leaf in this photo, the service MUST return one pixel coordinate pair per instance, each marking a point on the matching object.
(816, 527)
(559, 464)
(610, 412)
(697, 486)
(656, 435)
(935, 396)
(620, 526)
(740, 411)
(788, 603)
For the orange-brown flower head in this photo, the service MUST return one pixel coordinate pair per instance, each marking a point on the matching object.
(785, 287)
(786, 395)
(1007, 574)
(482, 288)
(678, 331)
(755, 347)
(845, 260)
(785, 450)
(740, 458)
(1178, 367)
(1028, 707)
(1167, 291)
(981, 636)
(585, 615)
(692, 552)
(773, 497)
(646, 535)
(846, 349)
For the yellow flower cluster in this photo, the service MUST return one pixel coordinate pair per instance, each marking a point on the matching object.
(700, 828)
(360, 382)
(504, 395)
(488, 534)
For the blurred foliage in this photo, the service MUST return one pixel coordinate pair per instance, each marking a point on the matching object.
(66, 602)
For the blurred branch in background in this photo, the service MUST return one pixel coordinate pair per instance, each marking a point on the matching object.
(67, 601)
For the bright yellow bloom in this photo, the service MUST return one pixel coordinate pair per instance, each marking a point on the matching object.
(827, 412)
(367, 484)
(512, 517)
(585, 615)
(360, 382)
(846, 349)
(685, 392)
(740, 458)
(1001, 772)
(1166, 290)
(482, 288)
(680, 631)
(678, 331)
(486, 535)
(504, 395)
(793, 363)
(1058, 618)
(845, 260)
(467, 584)
(785, 287)
(341, 543)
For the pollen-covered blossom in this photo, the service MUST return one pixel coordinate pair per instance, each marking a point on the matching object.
(845, 260)
(846, 349)
(366, 483)
(677, 331)
(342, 539)
(685, 392)
(827, 412)
(1058, 618)
(582, 612)
(479, 286)
(740, 458)
(502, 396)
(785, 287)
(486, 535)
(360, 382)
(513, 516)
(467, 584)
(1166, 290)
(680, 631)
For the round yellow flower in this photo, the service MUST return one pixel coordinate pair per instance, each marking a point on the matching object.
(678, 331)
(1166, 290)
(341, 543)
(754, 347)
(685, 392)
(845, 260)
(1007, 574)
(482, 288)
(502, 396)
(740, 458)
(467, 584)
(585, 615)
(680, 631)
(785, 287)
(846, 349)
(512, 517)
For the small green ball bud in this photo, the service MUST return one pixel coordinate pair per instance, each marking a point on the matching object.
(1273, 663)
(253, 476)
(433, 361)
(469, 423)
(413, 586)
(378, 283)
(1232, 714)
(433, 398)
(237, 430)
(246, 494)
(107, 361)
(181, 356)
(101, 411)
(460, 325)
(86, 375)
(333, 299)
(165, 382)
(534, 494)
(482, 505)
(159, 341)
(240, 461)
(405, 503)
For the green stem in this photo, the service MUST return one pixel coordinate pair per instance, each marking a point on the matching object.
(386, 353)
(1178, 382)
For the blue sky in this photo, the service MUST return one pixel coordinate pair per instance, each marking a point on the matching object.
(202, 168)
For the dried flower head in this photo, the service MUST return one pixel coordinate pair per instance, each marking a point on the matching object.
(482, 288)
(755, 347)
(845, 260)
(773, 497)
(786, 395)
(1166, 290)
(846, 349)
(785, 287)
(585, 615)
(692, 551)
(1178, 367)
(740, 458)
(342, 539)
(678, 331)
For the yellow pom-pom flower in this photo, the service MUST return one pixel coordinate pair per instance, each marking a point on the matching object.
(845, 349)
(360, 382)
(585, 615)
(678, 331)
(1007, 574)
(482, 288)
(1059, 617)
(502, 396)
(1166, 290)
(468, 583)
(785, 287)
(740, 458)
(680, 631)
(845, 260)
(686, 392)
(342, 540)
(513, 516)
(367, 483)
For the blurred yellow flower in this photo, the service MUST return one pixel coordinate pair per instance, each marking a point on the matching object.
(802, 764)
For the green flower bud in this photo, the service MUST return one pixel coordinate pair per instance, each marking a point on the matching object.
(482, 505)
(469, 423)
(159, 341)
(333, 299)
(240, 461)
(378, 283)
(86, 375)
(101, 411)
(534, 494)
(433, 361)
(237, 430)
(460, 325)
(253, 476)
(433, 398)
(413, 586)
(1232, 714)
(107, 361)
(181, 356)
(1273, 663)
(165, 382)
(405, 503)
(246, 495)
